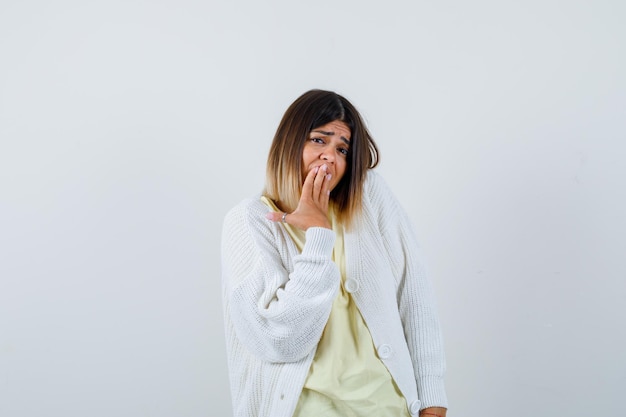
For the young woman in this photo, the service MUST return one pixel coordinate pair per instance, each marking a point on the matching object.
(328, 308)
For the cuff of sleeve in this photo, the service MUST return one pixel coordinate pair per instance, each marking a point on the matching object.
(432, 392)
(318, 275)
(319, 242)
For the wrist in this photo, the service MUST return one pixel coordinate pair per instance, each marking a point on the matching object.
(433, 412)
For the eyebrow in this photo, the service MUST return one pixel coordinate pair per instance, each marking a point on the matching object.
(347, 141)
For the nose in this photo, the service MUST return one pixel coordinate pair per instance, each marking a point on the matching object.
(328, 155)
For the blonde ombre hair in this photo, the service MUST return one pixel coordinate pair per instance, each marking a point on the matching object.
(311, 110)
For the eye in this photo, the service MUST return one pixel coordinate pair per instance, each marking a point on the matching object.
(317, 140)
(343, 151)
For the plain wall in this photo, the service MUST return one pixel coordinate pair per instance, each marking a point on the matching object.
(129, 128)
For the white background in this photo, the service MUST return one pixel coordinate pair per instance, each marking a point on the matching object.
(129, 128)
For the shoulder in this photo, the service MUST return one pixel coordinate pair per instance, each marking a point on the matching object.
(249, 206)
(373, 179)
(247, 214)
(382, 206)
(376, 190)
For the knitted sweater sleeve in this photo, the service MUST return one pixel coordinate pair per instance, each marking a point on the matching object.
(277, 304)
(415, 296)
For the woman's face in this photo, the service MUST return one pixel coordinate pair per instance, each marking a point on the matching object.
(328, 144)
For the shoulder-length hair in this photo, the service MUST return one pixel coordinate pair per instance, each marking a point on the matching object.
(311, 110)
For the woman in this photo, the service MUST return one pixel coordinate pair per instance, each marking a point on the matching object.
(328, 308)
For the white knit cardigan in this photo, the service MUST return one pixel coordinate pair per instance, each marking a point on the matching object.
(277, 301)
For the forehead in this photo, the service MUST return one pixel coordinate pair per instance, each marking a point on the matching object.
(337, 127)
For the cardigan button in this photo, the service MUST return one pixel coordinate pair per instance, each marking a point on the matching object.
(352, 285)
(385, 351)
(414, 408)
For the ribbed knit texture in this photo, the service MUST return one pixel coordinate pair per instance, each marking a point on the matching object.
(277, 302)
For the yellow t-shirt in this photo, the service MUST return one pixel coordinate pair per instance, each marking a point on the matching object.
(346, 377)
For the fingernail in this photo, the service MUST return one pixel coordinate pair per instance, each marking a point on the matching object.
(328, 177)
(324, 167)
(317, 169)
(268, 216)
